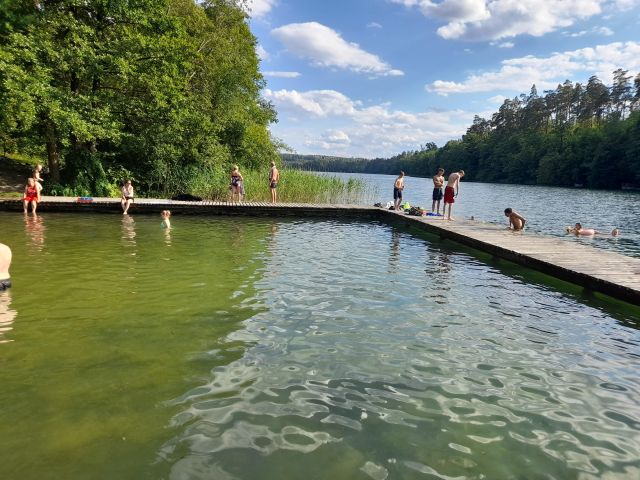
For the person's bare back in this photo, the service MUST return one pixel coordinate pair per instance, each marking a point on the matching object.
(5, 262)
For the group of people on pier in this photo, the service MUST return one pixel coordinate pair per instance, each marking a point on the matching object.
(448, 194)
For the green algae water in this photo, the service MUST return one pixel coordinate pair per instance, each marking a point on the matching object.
(234, 348)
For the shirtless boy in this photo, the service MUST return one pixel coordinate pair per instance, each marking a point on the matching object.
(398, 186)
(274, 177)
(5, 263)
(438, 183)
(451, 191)
(516, 221)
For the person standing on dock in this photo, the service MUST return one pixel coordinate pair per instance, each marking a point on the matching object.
(451, 191)
(127, 197)
(274, 177)
(398, 187)
(5, 263)
(438, 194)
(237, 188)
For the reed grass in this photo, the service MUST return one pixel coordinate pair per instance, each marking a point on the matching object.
(295, 186)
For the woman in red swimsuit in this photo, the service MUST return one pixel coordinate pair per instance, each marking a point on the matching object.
(31, 196)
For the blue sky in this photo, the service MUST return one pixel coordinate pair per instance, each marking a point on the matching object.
(373, 78)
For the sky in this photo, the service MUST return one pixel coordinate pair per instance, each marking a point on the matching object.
(374, 78)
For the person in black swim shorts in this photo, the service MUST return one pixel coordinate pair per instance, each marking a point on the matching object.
(398, 187)
(438, 194)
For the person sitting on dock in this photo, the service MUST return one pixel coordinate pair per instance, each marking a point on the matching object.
(580, 230)
(398, 187)
(452, 187)
(516, 221)
(5, 263)
(31, 195)
(127, 197)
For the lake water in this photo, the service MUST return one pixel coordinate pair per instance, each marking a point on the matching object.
(235, 348)
(547, 209)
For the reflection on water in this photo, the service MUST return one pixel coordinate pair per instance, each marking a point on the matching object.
(35, 228)
(7, 315)
(366, 362)
(270, 349)
(129, 231)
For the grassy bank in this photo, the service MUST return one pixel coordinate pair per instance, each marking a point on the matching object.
(294, 185)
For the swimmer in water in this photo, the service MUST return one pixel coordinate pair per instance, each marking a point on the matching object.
(579, 230)
(166, 222)
(5, 263)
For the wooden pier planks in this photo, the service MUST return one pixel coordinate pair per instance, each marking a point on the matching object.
(595, 269)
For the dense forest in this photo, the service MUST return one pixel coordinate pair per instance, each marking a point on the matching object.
(166, 92)
(586, 135)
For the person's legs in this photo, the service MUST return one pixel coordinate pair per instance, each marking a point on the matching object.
(25, 203)
(274, 195)
(438, 208)
(34, 205)
(126, 203)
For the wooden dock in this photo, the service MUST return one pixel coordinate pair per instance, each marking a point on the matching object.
(594, 269)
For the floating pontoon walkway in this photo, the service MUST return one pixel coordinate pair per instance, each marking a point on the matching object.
(594, 269)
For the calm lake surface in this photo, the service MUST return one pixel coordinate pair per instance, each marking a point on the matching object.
(235, 348)
(547, 209)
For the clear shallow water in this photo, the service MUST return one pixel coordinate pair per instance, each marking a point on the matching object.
(238, 348)
(547, 209)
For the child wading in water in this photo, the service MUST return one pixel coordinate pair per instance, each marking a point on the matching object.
(166, 216)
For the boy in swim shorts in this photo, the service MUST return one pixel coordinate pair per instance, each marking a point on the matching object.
(398, 187)
(438, 194)
(451, 191)
(274, 177)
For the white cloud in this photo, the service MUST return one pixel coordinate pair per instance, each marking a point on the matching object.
(517, 74)
(262, 53)
(605, 31)
(625, 4)
(497, 99)
(375, 130)
(480, 20)
(326, 48)
(374, 25)
(281, 74)
(259, 8)
(506, 45)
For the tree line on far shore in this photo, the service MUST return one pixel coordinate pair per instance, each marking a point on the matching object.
(576, 135)
(167, 92)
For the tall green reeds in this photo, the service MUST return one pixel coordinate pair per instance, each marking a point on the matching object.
(294, 186)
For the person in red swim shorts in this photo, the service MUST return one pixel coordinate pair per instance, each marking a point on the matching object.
(451, 191)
